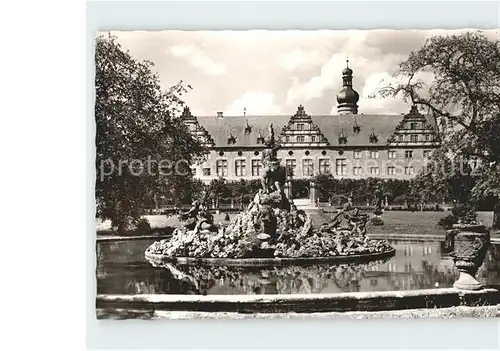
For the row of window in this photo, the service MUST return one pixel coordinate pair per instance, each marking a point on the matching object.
(411, 125)
(302, 139)
(315, 138)
(391, 154)
(221, 168)
(341, 168)
(415, 137)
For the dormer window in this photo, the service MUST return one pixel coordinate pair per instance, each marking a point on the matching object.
(300, 126)
(373, 138)
(342, 139)
(248, 129)
(356, 128)
(231, 139)
(260, 139)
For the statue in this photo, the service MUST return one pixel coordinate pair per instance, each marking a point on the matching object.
(274, 176)
(198, 217)
(379, 197)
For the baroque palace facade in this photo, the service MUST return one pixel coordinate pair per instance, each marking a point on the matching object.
(346, 145)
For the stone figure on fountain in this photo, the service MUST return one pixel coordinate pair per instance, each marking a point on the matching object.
(379, 196)
(379, 200)
(274, 177)
(198, 217)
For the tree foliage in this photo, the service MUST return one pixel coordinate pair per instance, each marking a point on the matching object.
(464, 98)
(142, 149)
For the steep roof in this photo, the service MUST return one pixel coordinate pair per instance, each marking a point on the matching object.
(222, 128)
(332, 126)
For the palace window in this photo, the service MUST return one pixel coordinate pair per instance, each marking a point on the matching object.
(408, 251)
(357, 154)
(256, 167)
(356, 171)
(427, 153)
(391, 170)
(240, 168)
(374, 171)
(391, 154)
(373, 154)
(287, 139)
(408, 170)
(413, 138)
(413, 125)
(313, 139)
(409, 154)
(401, 137)
(291, 165)
(300, 138)
(207, 171)
(408, 267)
(427, 137)
(307, 167)
(221, 168)
(324, 165)
(341, 166)
(300, 126)
(427, 250)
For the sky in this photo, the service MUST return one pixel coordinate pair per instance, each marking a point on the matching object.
(272, 72)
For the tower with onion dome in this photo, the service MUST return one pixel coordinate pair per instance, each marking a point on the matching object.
(347, 98)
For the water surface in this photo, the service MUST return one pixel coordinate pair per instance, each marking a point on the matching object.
(122, 269)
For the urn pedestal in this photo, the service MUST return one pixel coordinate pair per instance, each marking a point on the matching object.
(470, 244)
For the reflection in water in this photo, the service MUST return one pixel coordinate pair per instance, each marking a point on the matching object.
(277, 280)
(122, 269)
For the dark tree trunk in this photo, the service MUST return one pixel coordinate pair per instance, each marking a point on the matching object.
(496, 215)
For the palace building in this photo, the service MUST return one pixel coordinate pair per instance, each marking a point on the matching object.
(347, 145)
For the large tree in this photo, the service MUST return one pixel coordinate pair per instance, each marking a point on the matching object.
(142, 148)
(464, 98)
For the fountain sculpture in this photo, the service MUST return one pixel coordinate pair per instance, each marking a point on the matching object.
(270, 228)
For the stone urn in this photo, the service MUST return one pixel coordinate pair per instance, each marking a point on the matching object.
(470, 243)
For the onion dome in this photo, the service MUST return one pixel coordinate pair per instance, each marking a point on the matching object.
(347, 71)
(347, 95)
(347, 98)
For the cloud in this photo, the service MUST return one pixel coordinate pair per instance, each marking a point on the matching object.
(298, 58)
(329, 77)
(255, 102)
(275, 71)
(197, 58)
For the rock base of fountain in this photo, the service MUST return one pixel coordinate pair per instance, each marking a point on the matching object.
(267, 232)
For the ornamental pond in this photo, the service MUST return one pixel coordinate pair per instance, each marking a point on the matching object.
(417, 264)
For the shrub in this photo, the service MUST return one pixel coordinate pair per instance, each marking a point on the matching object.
(447, 222)
(143, 227)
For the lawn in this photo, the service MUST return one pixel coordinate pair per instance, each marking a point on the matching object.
(405, 222)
